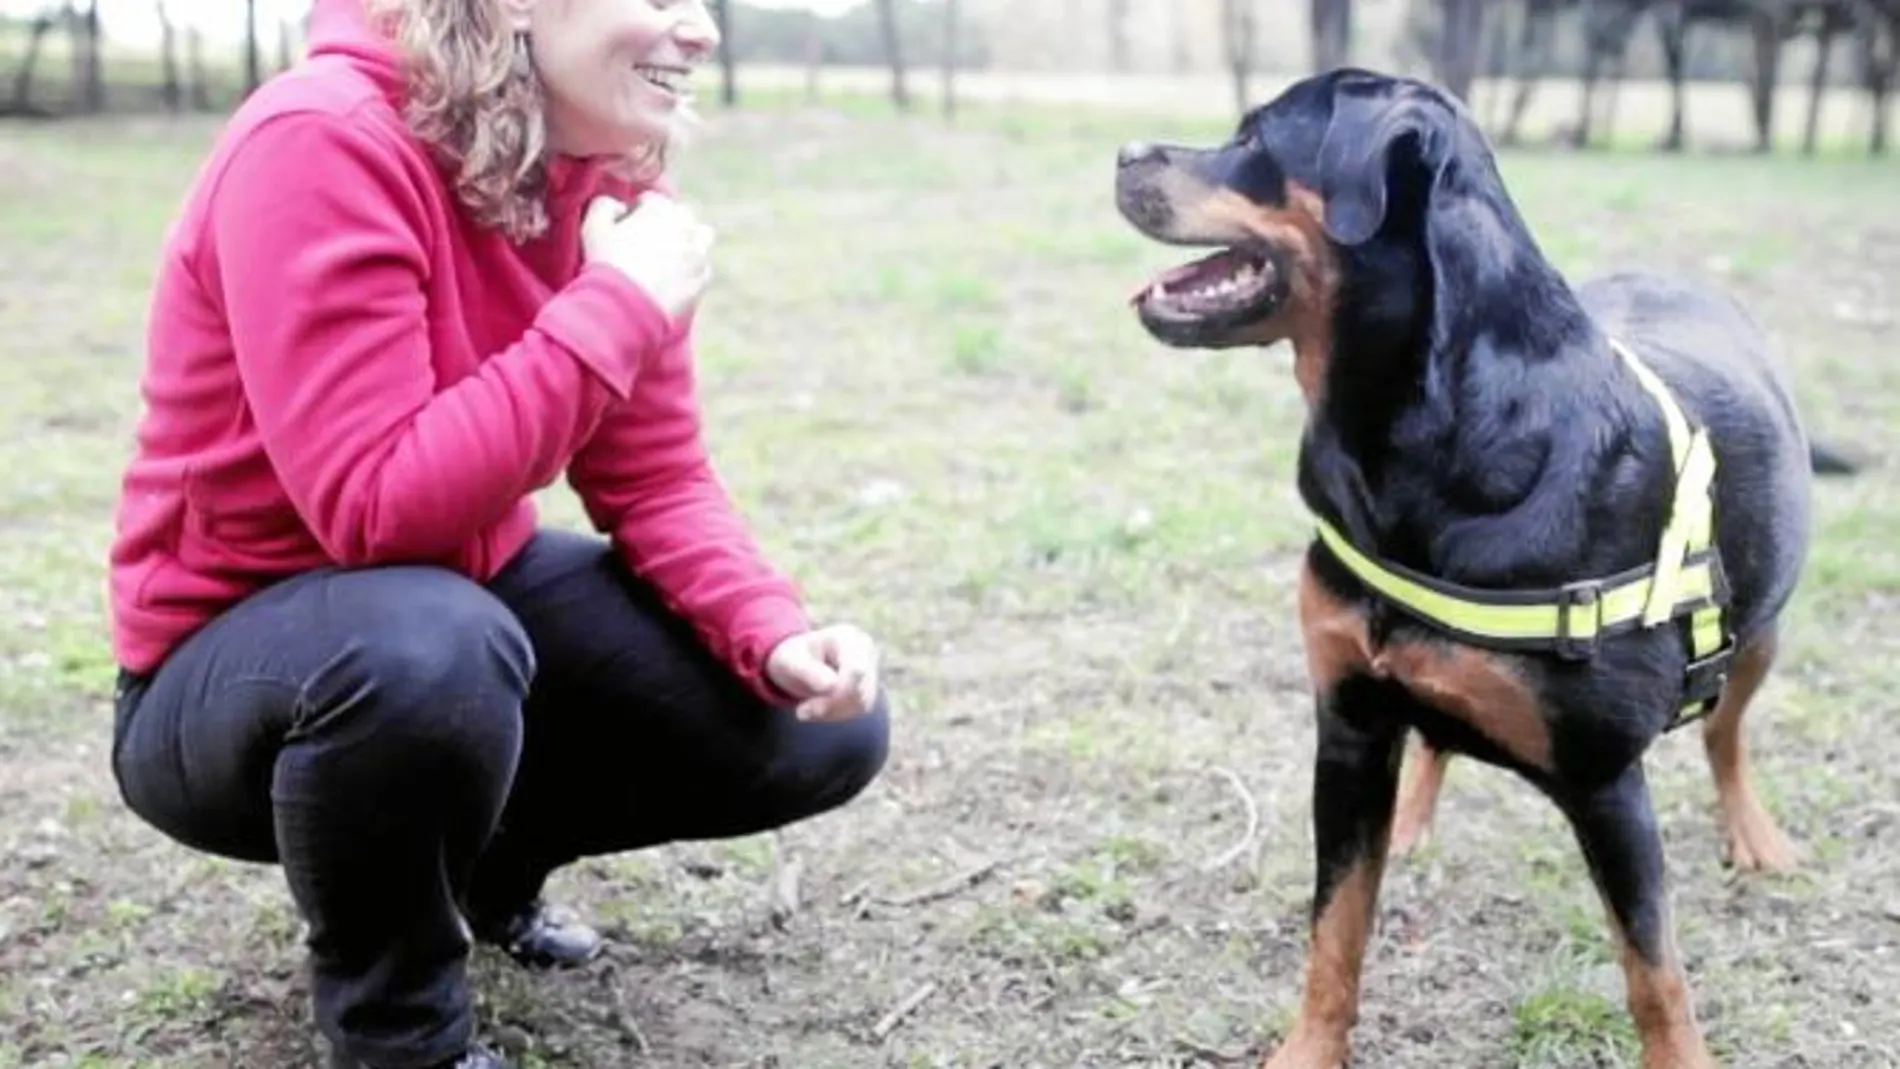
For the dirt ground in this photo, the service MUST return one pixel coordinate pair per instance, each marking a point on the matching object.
(1091, 846)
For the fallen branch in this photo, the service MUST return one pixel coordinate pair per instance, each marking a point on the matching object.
(785, 893)
(954, 885)
(889, 1022)
(1227, 856)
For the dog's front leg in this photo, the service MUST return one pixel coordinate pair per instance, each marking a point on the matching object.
(1355, 779)
(1616, 827)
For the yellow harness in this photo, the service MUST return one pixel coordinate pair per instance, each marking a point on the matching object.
(1685, 580)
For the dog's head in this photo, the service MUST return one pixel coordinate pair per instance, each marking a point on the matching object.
(1296, 202)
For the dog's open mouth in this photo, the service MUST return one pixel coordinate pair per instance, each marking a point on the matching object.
(1225, 289)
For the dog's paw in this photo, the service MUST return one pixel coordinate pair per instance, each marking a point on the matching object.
(1299, 1053)
(1756, 845)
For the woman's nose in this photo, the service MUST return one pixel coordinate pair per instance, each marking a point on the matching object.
(698, 34)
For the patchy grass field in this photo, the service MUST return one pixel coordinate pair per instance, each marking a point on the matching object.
(1078, 547)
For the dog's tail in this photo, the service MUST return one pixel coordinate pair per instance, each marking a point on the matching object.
(1828, 460)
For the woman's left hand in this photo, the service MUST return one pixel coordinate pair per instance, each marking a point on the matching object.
(832, 672)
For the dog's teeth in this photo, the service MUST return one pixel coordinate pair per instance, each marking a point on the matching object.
(1161, 291)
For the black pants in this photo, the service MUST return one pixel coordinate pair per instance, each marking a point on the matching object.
(411, 745)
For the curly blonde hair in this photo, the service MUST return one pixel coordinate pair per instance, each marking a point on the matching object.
(474, 98)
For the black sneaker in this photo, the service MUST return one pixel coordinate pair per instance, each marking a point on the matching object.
(540, 936)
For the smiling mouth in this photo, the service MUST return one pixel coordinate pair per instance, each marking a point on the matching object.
(1228, 288)
(669, 80)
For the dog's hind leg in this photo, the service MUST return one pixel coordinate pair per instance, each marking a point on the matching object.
(1355, 779)
(1754, 842)
(1615, 825)
(1418, 796)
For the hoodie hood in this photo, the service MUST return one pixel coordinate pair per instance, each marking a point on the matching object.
(342, 28)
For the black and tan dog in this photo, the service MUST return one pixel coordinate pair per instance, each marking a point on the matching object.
(1554, 521)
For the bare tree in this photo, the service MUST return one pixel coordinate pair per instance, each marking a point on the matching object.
(950, 16)
(1237, 26)
(893, 52)
(1177, 26)
(42, 27)
(1829, 21)
(1879, 38)
(253, 59)
(1460, 43)
(1332, 33)
(172, 91)
(1118, 35)
(89, 75)
(814, 54)
(728, 63)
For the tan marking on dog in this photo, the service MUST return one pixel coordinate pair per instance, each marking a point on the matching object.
(1753, 840)
(1480, 688)
(1329, 1004)
(1313, 288)
(1334, 632)
(1418, 796)
(1477, 687)
(1659, 1002)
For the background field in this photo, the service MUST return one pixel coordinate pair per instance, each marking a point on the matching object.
(923, 383)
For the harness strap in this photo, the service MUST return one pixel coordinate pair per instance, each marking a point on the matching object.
(1685, 581)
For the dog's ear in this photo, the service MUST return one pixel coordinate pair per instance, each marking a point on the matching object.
(1374, 136)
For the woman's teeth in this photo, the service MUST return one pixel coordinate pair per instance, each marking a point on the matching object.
(667, 78)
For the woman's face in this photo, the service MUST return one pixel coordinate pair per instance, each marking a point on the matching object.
(614, 72)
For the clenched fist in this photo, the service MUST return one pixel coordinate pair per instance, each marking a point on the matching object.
(659, 244)
(831, 671)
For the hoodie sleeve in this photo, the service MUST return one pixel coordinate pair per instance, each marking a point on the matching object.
(319, 235)
(645, 478)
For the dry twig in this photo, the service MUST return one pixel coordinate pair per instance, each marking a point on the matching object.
(1227, 856)
(958, 883)
(785, 892)
(889, 1022)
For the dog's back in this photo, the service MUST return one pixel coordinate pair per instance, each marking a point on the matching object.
(1724, 371)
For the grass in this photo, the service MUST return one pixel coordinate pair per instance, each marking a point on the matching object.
(923, 385)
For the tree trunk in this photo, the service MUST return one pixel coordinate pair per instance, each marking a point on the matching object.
(1118, 60)
(1460, 42)
(1880, 57)
(23, 78)
(173, 89)
(195, 63)
(950, 60)
(1237, 25)
(1765, 30)
(893, 52)
(1332, 33)
(1817, 83)
(814, 54)
(253, 58)
(728, 63)
(89, 77)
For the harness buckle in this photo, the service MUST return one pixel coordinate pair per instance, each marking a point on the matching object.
(1582, 594)
(1702, 683)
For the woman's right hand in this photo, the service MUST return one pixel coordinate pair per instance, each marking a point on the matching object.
(659, 244)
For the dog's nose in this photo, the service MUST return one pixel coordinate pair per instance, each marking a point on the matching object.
(1137, 152)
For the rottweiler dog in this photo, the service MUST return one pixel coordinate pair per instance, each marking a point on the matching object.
(1554, 521)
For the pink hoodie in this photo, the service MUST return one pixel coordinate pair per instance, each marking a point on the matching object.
(342, 370)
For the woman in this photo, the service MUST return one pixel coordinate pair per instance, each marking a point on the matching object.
(405, 294)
